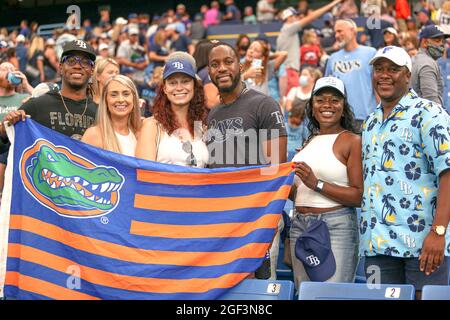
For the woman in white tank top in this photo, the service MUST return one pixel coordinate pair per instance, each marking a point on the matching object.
(174, 134)
(328, 184)
(118, 117)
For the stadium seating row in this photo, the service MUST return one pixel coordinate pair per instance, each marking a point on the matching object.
(253, 289)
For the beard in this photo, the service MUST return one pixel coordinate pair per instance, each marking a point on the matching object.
(234, 83)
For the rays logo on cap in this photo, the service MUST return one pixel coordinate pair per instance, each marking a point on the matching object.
(178, 65)
(81, 44)
(387, 49)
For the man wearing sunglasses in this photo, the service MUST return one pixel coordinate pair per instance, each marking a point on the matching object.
(69, 111)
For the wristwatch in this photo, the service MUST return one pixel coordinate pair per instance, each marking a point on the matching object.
(439, 230)
(319, 186)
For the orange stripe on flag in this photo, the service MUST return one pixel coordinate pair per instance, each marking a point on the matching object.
(261, 199)
(220, 230)
(115, 251)
(196, 179)
(118, 281)
(44, 288)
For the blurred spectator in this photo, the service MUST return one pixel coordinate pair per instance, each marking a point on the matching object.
(347, 10)
(375, 33)
(203, 9)
(151, 31)
(303, 7)
(12, 58)
(24, 30)
(201, 56)
(370, 7)
(33, 29)
(35, 67)
(104, 22)
(387, 16)
(390, 37)
(87, 26)
(299, 95)
(249, 16)
(402, 13)
(310, 51)
(297, 131)
(213, 15)
(232, 13)
(158, 51)
(411, 46)
(153, 80)
(65, 37)
(104, 69)
(258, 68)
(132, 58)
(3, 51)
(198, 30)
(444, 15)
(351, 65)
(179, 41)
(242, 44)
(51, 62)
(265, 11)
(21, 52)
(133, 18)
(426, 78)
(327, 34)
(103, 51)
(423, 16)
(411, 30)
(288, 39)
(183, 16)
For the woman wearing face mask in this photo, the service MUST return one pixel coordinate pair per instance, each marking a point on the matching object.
(426, 78)
(118, 117)
(301, 94)
(260, 66)
(328, 182)
(174, 134)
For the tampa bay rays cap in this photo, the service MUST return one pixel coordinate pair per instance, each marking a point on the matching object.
(79, 46)
(329, 82)
(395, 54)
(178, 66)
(313, 249)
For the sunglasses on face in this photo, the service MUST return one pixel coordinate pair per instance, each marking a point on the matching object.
(190, 160)
(82, 61)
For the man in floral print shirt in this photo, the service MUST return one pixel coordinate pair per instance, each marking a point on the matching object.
(406, 162)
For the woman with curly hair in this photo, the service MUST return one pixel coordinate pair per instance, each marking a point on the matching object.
(174, 134)
(329, 182)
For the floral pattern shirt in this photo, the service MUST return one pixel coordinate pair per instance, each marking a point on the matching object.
(403, 156)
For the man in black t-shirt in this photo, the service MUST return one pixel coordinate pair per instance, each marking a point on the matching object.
(246, 129)
(69, 111)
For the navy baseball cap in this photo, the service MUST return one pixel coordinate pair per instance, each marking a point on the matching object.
(313, 248)
(79, 46)
(432, 31)
(178, 66)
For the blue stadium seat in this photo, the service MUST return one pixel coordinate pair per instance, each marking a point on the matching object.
(436, 292)
(354, 291)
(255, 289)
(360, 272)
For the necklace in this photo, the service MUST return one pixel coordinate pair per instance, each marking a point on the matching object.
(244, 90)
(67, 109)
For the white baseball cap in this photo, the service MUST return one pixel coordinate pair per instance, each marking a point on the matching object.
(103, 46)
(121, 20)
(290, 11)
(329, 82)
(395, 54)
(133, 30)
(20, 38)
(391, 30)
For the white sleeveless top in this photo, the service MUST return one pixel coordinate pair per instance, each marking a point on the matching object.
(319, 155)
(170, 150)
(127, 143)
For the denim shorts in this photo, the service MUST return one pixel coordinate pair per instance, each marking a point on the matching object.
(343, 227)
(397, 270)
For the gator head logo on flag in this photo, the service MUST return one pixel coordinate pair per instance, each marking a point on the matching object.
(67, 183)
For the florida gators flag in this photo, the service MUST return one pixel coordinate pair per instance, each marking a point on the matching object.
(78, 222)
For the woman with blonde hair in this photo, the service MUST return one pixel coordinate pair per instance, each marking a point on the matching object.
(35, 66)
(259, 65)
(104, 69)
(118, 117)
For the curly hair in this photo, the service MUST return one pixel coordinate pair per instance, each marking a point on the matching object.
(162, 112)
(347, 119)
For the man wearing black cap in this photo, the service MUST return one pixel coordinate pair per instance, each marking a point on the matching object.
(69, 111)
(426, 78)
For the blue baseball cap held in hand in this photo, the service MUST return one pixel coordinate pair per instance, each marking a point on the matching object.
(313, 248)
(178, 66)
